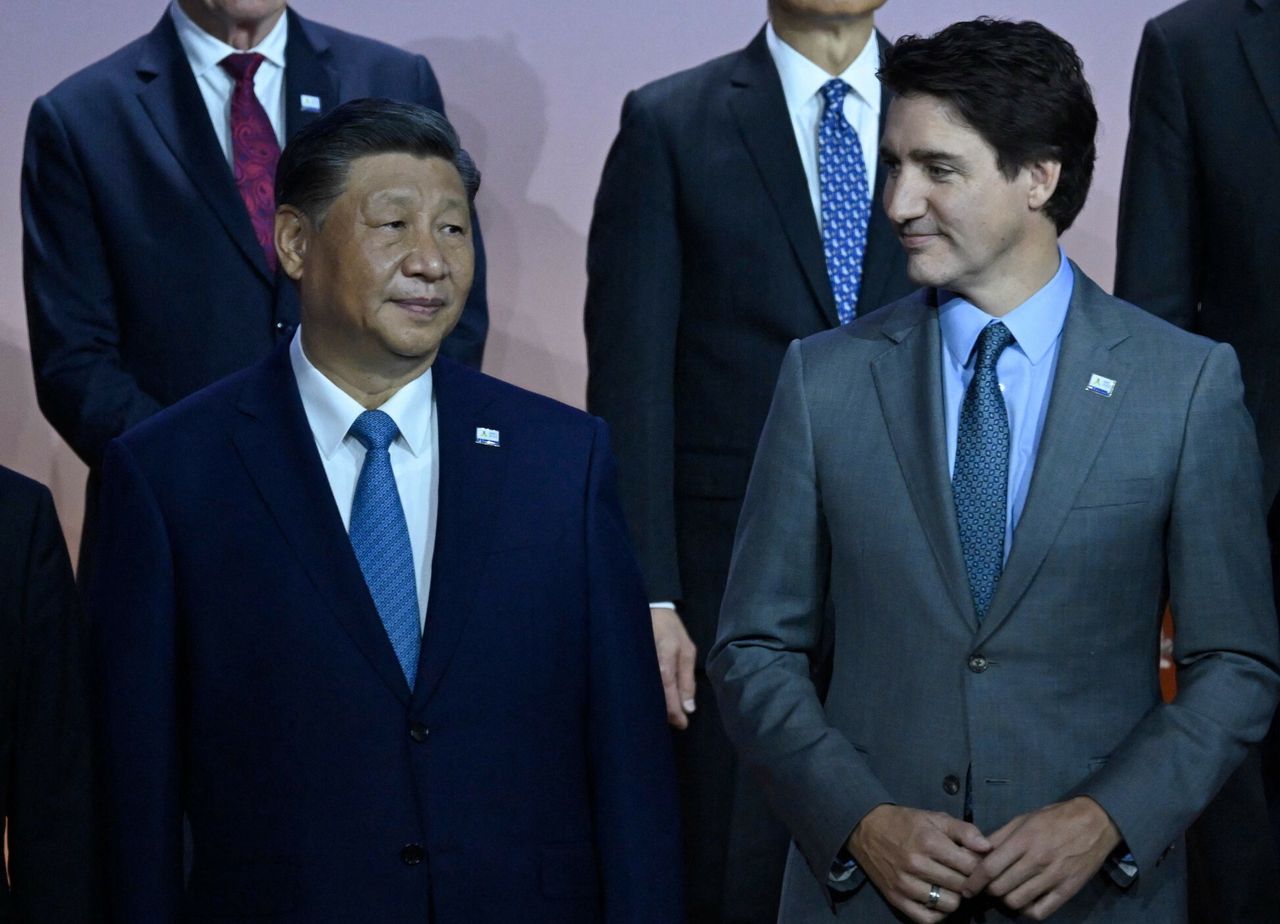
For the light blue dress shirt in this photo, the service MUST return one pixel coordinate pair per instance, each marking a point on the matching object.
(1025, 371)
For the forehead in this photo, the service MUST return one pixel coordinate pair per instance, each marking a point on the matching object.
(397, 174)
(922, 120)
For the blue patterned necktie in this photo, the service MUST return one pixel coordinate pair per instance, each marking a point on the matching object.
(980, 481)
(380, 538)
(845, 199)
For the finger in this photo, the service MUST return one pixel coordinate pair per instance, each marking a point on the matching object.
(992, 866)
(1048, 903)
(1017, 874)
(684, 675)
(948, 899)
(944, 851)
(670, 687)
(1001, 834)
(1030, 891)
(914, 910)
(963, 833)
(931, 871)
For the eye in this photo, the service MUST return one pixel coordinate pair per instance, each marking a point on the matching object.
(397, 225)
(453, 230)
(937, 171)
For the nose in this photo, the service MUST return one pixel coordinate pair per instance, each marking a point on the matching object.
(425, 258)
(904, 198)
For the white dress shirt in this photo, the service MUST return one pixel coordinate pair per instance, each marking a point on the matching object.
(203, 53)
(802, 82)
(414, 454)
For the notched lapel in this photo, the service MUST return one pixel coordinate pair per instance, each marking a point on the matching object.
(277, 447)
(1075, 427)
(1260, 38)
(909, 384)
(759, 108)
(307, 73)
(883, 249)
(172, 100)
(471, 482)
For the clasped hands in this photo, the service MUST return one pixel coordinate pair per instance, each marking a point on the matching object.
(1033, 864)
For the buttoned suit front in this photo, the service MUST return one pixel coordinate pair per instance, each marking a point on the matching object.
(245, 679)
(1145, 487)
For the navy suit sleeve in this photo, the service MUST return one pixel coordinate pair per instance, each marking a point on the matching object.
(50, 837)
(71, 310)
(632, 315)
(1159, 246)
(466, 343)
(633, 778)
(135, 652)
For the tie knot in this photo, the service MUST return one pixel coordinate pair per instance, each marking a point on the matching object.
(833, 92)
(991, 343)
(242, 65)
(375, 430)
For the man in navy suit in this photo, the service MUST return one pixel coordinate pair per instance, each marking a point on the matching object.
(368, 618)
(144, 278)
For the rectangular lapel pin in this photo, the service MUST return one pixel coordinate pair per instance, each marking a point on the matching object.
(310, 103)
(487, 437)
(1101, 385)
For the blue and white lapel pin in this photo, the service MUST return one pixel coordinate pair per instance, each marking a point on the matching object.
(309, 103)
(1101, 385)
(487, 437)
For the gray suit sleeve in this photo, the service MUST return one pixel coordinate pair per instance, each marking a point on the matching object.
(1225, 645)
(770, 639)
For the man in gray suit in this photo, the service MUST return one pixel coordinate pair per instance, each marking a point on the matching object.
(938, 645)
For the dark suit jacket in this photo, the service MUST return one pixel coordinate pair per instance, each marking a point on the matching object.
(44, 752)
(144, 281)
(245, 678)
(704, 261)
(1199, 238)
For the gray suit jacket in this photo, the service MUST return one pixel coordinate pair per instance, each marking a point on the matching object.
(847, 565)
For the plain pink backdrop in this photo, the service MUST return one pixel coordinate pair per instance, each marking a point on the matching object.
(535, 90)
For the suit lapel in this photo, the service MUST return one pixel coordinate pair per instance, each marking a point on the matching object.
(1076, 424)
(1260, 38)
(277, 448)
(760, 110)
(470, 499)
(909, 384)
(307, 75)
(882, 242)
(172, 100)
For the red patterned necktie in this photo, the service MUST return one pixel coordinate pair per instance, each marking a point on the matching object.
(254, 150)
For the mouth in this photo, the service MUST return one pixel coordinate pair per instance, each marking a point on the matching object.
(423, 307)
(916, 240)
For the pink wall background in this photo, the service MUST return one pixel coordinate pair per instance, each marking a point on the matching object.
(535, 90)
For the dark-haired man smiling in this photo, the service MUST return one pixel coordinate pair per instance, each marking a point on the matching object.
(995, 484)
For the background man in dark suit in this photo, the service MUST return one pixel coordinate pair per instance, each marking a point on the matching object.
(734, 194)
(969, 509)
(1199, 245)
(147, 277)
(44, 733)
(371, 618)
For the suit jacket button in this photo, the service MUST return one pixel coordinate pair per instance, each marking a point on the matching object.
(951, 784)
(418, 732)
(412, 854)
(977, 663)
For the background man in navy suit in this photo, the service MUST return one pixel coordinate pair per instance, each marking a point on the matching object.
(501, 757)
(44, 732)
(1198, 242)
(706, 258)
(144, 279)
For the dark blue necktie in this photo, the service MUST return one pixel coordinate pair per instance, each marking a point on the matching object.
(980, 480)
(380, 538)
(845, 198)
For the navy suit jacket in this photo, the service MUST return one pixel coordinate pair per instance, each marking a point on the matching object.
(245, 679)
(144, 281)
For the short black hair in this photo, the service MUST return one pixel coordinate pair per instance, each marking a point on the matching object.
(1018, 85)
(313, 167)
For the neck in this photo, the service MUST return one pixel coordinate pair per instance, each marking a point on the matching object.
(1007, 290)
(369, 387)
(830, 41)
(240, 34)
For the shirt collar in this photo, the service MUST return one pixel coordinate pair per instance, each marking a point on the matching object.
(331, 411)
(204, 51)
(802, 80)
(1035, 324)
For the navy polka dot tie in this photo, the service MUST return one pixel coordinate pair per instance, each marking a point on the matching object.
(380, 538)
(980, 480)
(845, 199)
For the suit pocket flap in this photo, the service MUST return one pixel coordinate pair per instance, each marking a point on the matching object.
(1114, 492)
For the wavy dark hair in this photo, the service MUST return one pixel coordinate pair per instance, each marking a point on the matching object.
(1018, 85)
(313, 167)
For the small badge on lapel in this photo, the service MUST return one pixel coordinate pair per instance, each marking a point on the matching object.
(309, 103)
(487, 437)
(1101, 385)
